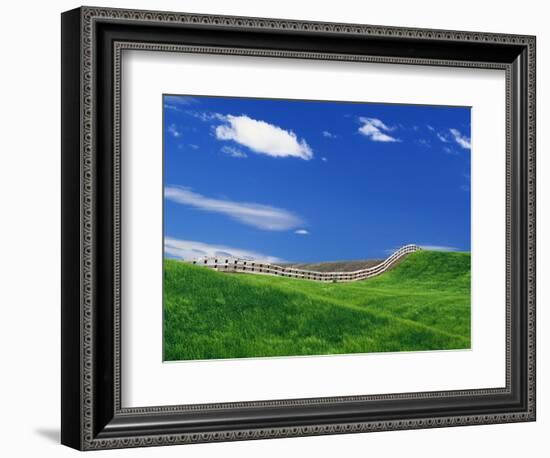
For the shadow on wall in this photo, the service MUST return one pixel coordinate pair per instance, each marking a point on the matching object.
(51, 434)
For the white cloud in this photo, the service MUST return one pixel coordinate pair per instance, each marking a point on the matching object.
(189, 249)
(454, 134)
(174, 131)
(302, 232)
(324, 159)
(192, 145)
(375, 129)
(233, 152)
(430, 127)
(260, 216)
(328, 134)
(460, 139)
(263, 138)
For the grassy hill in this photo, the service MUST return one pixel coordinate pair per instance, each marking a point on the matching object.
(422, 304)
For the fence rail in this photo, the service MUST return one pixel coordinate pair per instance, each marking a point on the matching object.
(232, 265)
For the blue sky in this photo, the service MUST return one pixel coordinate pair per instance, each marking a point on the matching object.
(291, 180)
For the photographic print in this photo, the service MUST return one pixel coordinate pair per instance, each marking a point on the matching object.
(306, 227)
(276, 231)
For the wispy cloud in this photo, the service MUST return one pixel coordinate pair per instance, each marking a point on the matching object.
(442, 137)
(177, 102)
(430, 127)
(453, 135)
(424, 142)
(172, 129)
(260, 216)
(190, 249)
(462, 140)
(302, 232)
(192, 145)
(233, 152)
(324, 159)
(376, 130)
(168, 106)
(206, 116)
(328, 134)
(449, 150)
(438, 248)
(263, 138)
(181, 99)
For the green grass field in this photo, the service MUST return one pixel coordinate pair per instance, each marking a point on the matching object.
(421, 304)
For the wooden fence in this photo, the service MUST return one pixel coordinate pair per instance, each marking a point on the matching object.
(232, 265)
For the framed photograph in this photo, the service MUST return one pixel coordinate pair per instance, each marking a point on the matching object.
(276, 228)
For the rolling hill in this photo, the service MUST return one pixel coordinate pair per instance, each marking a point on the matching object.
(421, 304)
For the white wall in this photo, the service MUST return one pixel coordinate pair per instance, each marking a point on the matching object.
(30, 241)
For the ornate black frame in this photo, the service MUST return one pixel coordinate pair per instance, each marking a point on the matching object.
(92, 42)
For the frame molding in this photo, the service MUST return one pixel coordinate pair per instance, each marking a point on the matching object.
(92, 42)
